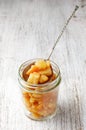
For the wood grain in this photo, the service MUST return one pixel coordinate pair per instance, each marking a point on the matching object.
(28, 29)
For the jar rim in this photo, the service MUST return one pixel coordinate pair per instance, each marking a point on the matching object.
(36, 85)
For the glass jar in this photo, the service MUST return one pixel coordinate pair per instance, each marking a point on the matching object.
(40, 100)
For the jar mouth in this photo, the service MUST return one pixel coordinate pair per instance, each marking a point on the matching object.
(25, 84)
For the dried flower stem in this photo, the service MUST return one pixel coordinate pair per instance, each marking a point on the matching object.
(76, 8)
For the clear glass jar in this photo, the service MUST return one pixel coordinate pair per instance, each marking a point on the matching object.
(40, 101)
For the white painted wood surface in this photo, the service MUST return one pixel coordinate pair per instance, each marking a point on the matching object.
(28, 29)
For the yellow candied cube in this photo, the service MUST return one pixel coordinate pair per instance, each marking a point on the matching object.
(47, 72)
(41, 64)
(48, 63)
(43, 78)
(33, 68)
(34, 78)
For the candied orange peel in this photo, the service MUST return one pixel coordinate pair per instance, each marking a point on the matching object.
(39, 72)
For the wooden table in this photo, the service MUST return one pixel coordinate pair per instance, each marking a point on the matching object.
(28, 29)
